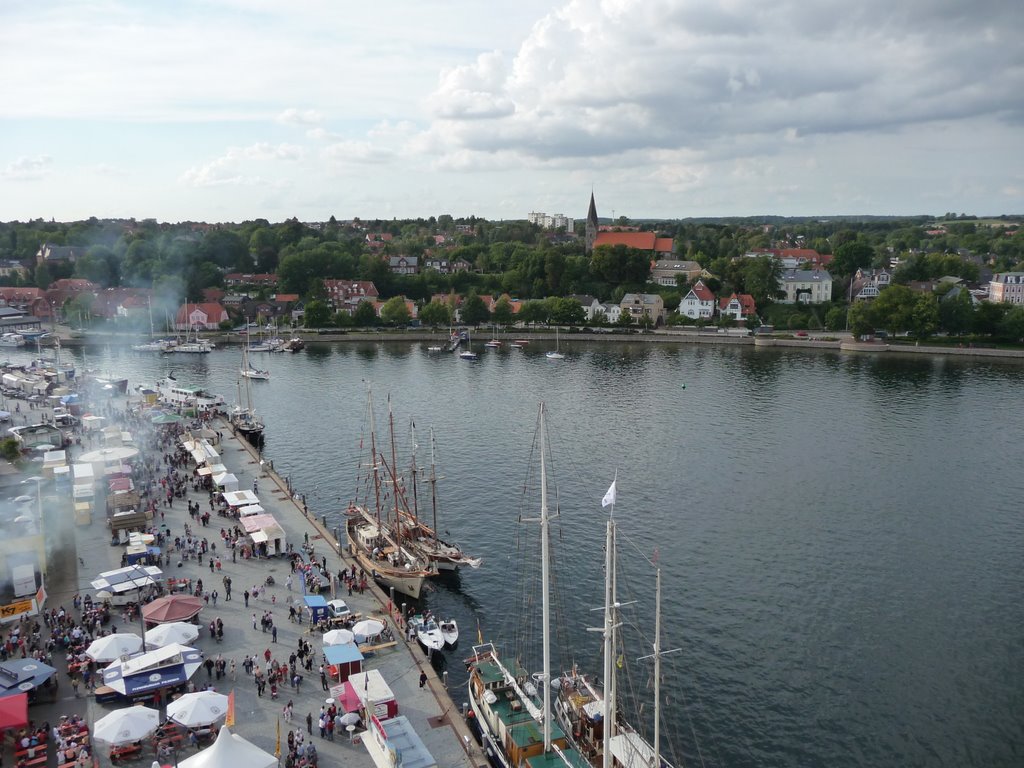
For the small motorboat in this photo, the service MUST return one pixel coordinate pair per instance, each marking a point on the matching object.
(450, 632)
(429, 635)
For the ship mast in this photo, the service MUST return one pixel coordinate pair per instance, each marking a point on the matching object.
(433, 491)
(373, 457)
(545, 582)
(394, 492)
(415, 472)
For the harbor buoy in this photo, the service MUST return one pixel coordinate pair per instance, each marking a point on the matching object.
(683, 386)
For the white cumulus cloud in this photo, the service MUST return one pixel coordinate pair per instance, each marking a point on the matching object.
(28, 168)
(235, 166)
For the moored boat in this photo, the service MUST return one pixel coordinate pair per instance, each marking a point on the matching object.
(449, 631)
(428, 633)
(515, 729)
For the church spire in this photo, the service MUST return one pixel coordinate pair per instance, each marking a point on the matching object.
(591, 228)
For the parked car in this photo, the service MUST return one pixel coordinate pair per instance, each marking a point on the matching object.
(338, 609)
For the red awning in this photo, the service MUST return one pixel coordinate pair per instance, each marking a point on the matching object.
(14, 711)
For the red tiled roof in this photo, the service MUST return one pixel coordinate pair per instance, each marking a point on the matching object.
(702, 292)
(664, 244)
(643, 241)
(747, 305)
(213, 311)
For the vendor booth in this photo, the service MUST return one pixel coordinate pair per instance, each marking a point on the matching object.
(395, 742)
(343, 661)
(266, 533)
(368, 690)
(316, 607)
(227, 481)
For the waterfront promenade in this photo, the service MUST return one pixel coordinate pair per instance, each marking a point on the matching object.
(436, 717)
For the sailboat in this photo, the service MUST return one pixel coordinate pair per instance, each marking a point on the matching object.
(244, 418)
(555, 354)
(195, 346)
(495, 342)
(444, 555)
(514, 729)
(468, 353)
(377, 543)
(590, 714)
(248, 370)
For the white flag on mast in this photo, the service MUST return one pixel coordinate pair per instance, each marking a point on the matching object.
(609, 497)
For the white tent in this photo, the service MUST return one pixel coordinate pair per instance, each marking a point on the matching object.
(251, 509)
(241, 498)
(228, 751)
(227, 481)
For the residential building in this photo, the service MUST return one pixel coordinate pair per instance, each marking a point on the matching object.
(591, 306)
(345, 295)
(611, 312)
(1006, 288)
(8, 268)
(806, 286)
(404, 265)
(51, 253)
(739, 306)
(698, 303)
(410, 305)
(551, 221)
(263, 280)
(640, 304)
(206, 316)
(666, 271)
(867, 283)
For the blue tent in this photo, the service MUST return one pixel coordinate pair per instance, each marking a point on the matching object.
(317, 607)
(23, 675)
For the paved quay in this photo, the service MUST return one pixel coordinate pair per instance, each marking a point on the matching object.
(434, 715)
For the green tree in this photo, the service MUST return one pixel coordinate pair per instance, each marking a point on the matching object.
(533, 312)
(317, 314)
(625, 319)
(924, 316)
(988, 317)
(955, 313)
(835, 318)
(365, 315)
(860, 319)
(474, 311)
(436, 313)
(894, 307)
(1012, 326)
(395, 311)
(503, 314)
(43, 276)
(9, 449)
(762, 278)
(851, 256)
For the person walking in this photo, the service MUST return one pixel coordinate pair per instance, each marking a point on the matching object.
(309, 723)
(245, 596)
(323, 678)
(423, 679)
(273, 632)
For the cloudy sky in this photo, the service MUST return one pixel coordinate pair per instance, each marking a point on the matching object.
(225, 110)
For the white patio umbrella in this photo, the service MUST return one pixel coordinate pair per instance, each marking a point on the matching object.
(350, 718)
(368, 628)
(338, 637)
(112, 647)
(195, 709)
(123, 726)
(180, 632)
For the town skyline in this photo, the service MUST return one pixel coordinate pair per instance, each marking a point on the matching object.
(234, 110)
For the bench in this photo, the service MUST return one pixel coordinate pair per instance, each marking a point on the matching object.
(39, 761)
(366, 650)
(123, 751)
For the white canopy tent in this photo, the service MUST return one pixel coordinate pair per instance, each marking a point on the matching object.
(241, 498)
(228, 751)
(227, 481)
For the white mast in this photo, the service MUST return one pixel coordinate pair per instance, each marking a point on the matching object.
(609, 675)
(657, 668)
(545, 581)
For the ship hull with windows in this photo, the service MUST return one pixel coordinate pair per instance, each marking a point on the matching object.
(378, 556)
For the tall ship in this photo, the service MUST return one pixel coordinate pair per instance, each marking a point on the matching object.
(445, 555)
(591, 713)
(375, 535)
(510, 710)
(243, 417)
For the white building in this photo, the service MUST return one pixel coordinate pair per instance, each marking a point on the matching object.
(1006, 288)
(698, 303)
(806, 286)
(551, 221)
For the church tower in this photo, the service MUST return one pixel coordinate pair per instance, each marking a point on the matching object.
(591, 230)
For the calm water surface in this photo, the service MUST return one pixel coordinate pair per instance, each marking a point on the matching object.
(840, 537)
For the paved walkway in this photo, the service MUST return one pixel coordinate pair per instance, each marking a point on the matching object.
(430, 710)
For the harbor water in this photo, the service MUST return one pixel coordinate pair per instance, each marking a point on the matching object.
(841, 537)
